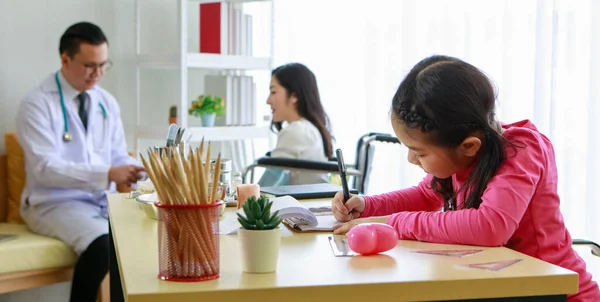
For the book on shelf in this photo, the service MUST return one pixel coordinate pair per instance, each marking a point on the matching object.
(214, 27)
(310, 191)
(225, 29)
(239, 92)
(293, 213)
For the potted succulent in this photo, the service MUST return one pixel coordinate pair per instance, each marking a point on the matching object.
(260, 236)
(208, 108)
(173, 115)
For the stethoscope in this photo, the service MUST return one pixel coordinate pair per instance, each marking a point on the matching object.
(67, 136)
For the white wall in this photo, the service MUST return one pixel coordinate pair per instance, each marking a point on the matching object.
(29, 38)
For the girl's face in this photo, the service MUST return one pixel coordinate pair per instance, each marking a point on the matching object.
(283, 106)
(438, 161)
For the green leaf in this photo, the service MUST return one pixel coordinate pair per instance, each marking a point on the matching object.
(246, 206)
(261, 202)
(261, 207)
(249, 201)
(248, 212)
(275, 222)
(271, 226)
(260, 224)
(247, 225)
(208, 104)
(273, 217)
(241, 217)
(243, 220)
(255, 210)
(270, 219)
(267, 211)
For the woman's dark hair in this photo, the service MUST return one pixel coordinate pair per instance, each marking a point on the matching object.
(449, 100)
(298, 80)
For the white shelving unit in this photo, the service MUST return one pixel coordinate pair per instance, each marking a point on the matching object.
(204, 60)
(210, 133)
(183, 61)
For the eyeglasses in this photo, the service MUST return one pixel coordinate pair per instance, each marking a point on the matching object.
(91, 67)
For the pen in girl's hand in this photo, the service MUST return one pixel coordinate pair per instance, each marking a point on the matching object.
(342, 170)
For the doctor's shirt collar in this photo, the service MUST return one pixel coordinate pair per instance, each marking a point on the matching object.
(69, 93)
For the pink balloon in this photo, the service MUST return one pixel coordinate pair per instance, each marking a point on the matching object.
(372, 238)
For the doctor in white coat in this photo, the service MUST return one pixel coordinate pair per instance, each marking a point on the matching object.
(72, 136)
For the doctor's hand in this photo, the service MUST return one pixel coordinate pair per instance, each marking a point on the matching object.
(346, 212)
(128, 174)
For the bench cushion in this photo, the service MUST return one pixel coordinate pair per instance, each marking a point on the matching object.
(32, 252)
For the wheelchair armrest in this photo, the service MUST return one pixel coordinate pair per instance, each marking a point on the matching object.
(297, 163)
(593, 245)
(300, 164)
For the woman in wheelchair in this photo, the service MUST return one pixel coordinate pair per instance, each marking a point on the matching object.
(302, 126)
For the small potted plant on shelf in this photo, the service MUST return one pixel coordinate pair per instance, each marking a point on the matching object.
(208, 108)
(260, 236)
(173, 115)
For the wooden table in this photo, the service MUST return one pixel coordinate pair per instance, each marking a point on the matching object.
(308, 271)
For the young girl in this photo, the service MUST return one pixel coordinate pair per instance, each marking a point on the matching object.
(295, 100)
(496, 184)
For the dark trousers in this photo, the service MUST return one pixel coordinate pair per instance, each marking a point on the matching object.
(90, 270)
(116, 289)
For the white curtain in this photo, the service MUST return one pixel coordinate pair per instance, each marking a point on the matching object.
(542, 56)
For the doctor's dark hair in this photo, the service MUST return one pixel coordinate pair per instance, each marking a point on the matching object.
(449, 99)
(82, 32)
(298, 80)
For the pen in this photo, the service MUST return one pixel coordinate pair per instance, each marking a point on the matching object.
(172, 134)
(342, 169)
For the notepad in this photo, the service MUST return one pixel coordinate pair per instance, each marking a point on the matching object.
(298, 217)
(324, 224)
(293, 214)
(311, 191)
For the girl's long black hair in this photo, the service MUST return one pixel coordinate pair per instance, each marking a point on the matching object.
(449, 100)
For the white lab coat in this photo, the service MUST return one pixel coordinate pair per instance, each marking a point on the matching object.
(65, 174)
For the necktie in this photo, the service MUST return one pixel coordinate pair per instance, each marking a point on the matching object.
(82, 112)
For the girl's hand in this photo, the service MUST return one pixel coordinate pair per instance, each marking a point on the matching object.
(344, 228)
(346, 212)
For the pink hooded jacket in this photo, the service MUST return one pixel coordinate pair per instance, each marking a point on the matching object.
(519, 210)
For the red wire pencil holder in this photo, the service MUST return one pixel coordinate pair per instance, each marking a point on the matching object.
(188, 241)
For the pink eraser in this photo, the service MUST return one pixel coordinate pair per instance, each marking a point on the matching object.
(246, 190)
(372, 238)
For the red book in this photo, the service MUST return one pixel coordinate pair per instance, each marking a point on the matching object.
(212, 26)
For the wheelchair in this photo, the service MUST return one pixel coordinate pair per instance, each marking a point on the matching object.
(359, 170)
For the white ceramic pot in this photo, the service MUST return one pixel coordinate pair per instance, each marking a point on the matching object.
(259, 249)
